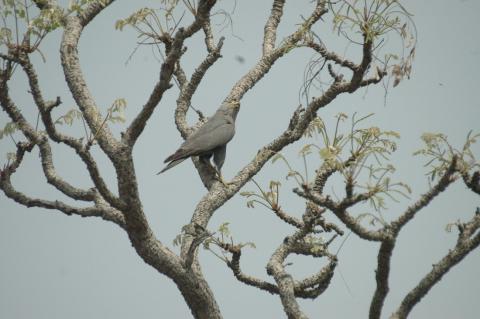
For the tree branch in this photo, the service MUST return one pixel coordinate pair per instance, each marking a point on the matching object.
(465, 244)
(77, 85)
(473, 181)
(447, 179)
(265, 63)
(284, 280)
(91, 11)
(270, 29)
(382, 274)
(331, 56)
(218, 195)
(45, 109)
(139, 123)
(339, 209)
(99, 210)
(45, 151)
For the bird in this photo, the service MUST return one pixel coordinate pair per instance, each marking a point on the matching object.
(209, 140)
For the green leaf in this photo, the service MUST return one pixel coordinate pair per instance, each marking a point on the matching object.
(276, 157)
(69, 117)
(11, 157)
(248, 244)
(247, 194)
(178, 240)
(8, 129)
(116, 112)
(223, 229)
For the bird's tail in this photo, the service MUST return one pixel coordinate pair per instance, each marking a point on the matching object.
(172, 164)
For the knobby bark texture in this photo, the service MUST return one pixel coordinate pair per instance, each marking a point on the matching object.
(126, 210)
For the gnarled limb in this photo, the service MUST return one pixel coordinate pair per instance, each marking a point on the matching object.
(339, 209)
(45, 109)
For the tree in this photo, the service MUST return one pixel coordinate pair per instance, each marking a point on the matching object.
(356, 155)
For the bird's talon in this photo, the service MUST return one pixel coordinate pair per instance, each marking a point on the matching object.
(219, 177)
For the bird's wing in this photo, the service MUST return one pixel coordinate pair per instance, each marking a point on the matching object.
(210, 139)
(217, 131)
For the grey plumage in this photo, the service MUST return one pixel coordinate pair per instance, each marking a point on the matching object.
(210, 139)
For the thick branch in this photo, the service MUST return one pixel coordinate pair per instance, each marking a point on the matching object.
(473, 181)
(382, 274)
(78, 86)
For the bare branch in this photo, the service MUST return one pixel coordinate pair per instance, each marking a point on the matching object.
(463, 247)
(91, 11)
(291, 220)
(102, 211)
(45, 109)
(310, 287)
(331, 56)
(234, 264)
(313, 286)
(45, 151)
(447, 179)
(270, 30)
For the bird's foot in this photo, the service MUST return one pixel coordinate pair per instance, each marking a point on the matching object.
(219, 177)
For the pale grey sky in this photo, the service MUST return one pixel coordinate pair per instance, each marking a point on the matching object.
(56, 266)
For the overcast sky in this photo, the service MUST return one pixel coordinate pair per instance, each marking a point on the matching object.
(58, 266)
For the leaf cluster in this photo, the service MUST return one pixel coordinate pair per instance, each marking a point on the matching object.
(440, 153)
(360, 155)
